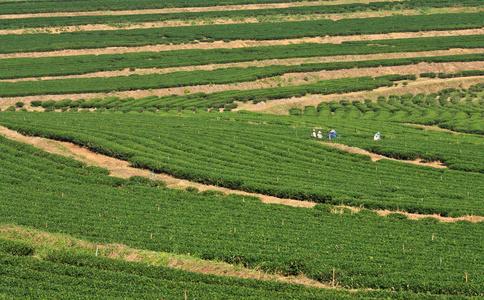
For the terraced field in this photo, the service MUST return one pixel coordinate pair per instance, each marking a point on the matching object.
(165, 149)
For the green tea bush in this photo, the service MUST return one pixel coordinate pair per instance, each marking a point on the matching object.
(15, 248)
(63, 197)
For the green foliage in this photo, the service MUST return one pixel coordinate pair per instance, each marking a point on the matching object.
(219, 76)
(230, 32)
(69, 65)
(456, 109)
(364, 250)
(461, 74)
(137, 180)
(226, 99)
(381, 257)
(276, 156)
(15, 248)
(459, 110)
(303, 10)
(83, 276)
(428, 75)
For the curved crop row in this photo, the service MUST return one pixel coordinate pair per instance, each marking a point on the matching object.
(277, 159)
(226, 99)
(18, 7)
(455, 109)
(75, 276)
(354, 250)
(461, 110)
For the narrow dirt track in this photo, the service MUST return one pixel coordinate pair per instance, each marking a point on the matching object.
(259, 63)
(289, 79)
(122, 169)
(421, 85)
(187, 9)
(244, 20)
(377, 157)
(434, 128)
(244, 43)
(411, 216)
(416, 69)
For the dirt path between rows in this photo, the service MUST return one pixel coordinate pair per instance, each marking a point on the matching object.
(340, 209)
(122, 169)
(187, 9)
(244, 43)
(377, 157)
(259, 63)
(421, 85)
(240, 20)
(289, 79)
(434, 128)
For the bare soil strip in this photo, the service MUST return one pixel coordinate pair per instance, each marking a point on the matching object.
(289, 79)
(377, 157)
(257, 63)
(411, 216)
(45, 242)
(244, 43)
(122, 169)
(421, 85)
(187, 9)
(245, 20)
(434, 128)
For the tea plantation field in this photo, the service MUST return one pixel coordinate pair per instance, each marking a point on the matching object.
(276, 156)
(180, 149)
(366, 250)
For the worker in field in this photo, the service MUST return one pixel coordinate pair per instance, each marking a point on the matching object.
(320, 135)
(377, 136)
(314, 134)
(332, 134)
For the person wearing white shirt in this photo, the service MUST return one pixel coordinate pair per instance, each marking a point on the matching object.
(377, 136)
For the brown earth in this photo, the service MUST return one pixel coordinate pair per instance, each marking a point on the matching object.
(187, 9)
(122, 169)
(244, 43)
(421, 85)
(259, 63)
(226, 20)
(411, 216)
(416, 69)
(341, 209)
(288, 79)
(433, 128)
(377, 157)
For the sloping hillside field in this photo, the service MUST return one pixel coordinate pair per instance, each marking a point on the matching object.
(241, 149)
